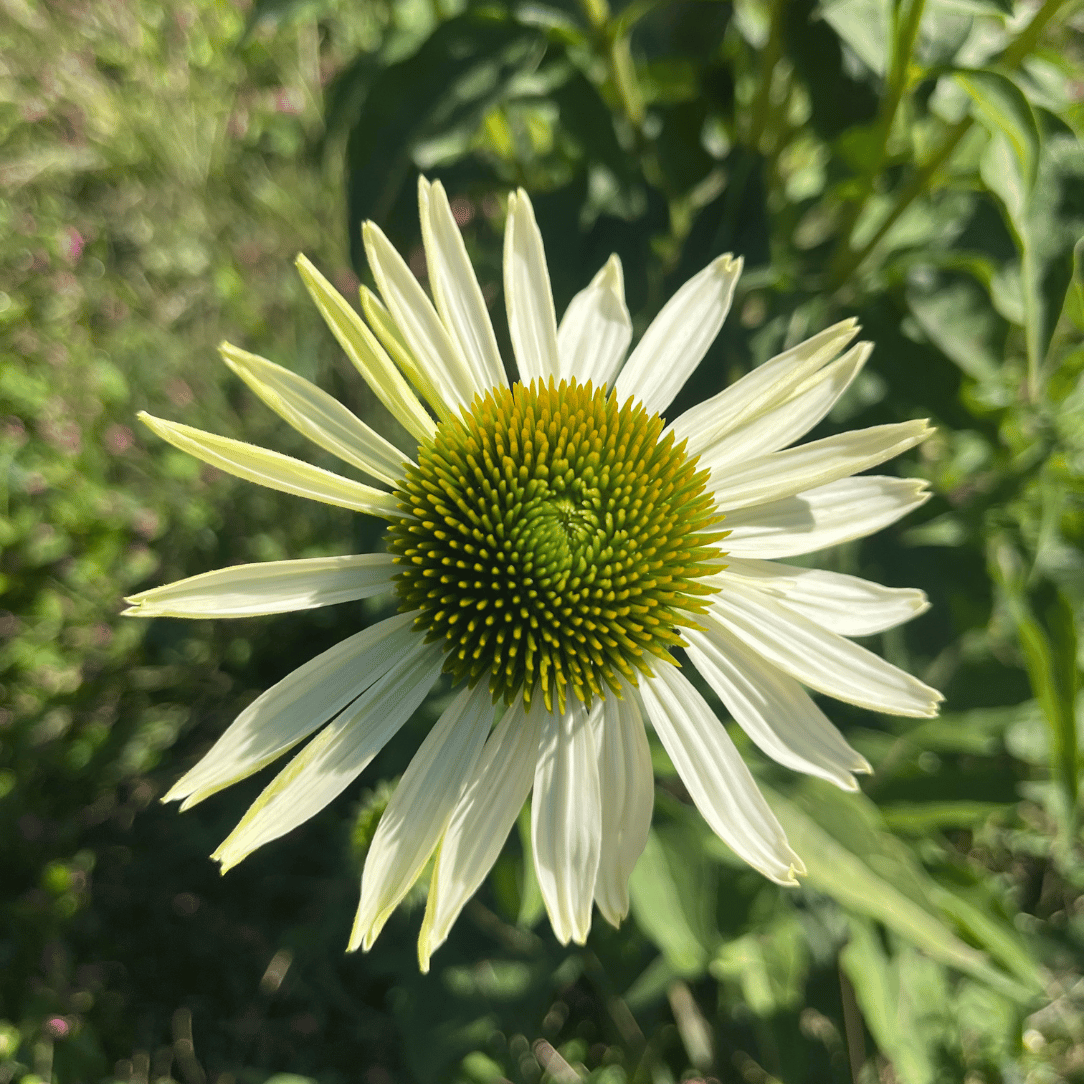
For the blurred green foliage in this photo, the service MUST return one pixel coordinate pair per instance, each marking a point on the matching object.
(915, 163)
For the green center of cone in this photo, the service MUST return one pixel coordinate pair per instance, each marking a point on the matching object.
(553, 541)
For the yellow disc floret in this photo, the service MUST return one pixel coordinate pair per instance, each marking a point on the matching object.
(554, 541)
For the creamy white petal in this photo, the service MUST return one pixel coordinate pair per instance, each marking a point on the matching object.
(627, 786)
(773, 709)
(791, 420)
(417, 320)
(455, 287)
(596, 329)
(391, 339)
(337, 755)
(296, 706)
(272, 469)
(419, 810)
(761, 390)
(716, 776)
(844, 604)
(824, 661)
(482, 819)
(271, 587)
(566, 821)
(821, 517)
(318, 416)
(678, 338)
(532, 322)
(366, 354)
(782, 474)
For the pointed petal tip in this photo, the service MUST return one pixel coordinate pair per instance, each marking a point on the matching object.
(613, 276)
(613, 916)
(175, 793)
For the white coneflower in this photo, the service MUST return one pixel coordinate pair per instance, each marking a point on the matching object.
(550, 544)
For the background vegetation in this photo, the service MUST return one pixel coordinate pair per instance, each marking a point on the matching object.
(916, 164)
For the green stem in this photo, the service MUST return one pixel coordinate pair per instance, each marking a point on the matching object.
(906, 33)
(773, 51)
(914, 188)
(1011, 57)
(618, 60)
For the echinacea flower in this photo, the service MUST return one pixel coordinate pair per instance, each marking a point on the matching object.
(550, 544)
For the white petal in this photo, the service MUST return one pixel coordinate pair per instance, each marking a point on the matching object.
(627, 783)
(791, 420)
(821, 517)
(482, 819)
(820, 659)
(716, 776)
(678, 338)
(566, 821)
(296, 706)
(318, 416)
(844, 604)
(596, 329)
(455, 287)
(762, 390)
(272, 469)
(782, 474)
(391, 339)
(273, 587)
(532, 322)
(367, 355)
(773, 709)
(418, 321)
(419, 810)
(337, 755)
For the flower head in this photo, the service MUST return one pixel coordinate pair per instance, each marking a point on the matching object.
(550, 544)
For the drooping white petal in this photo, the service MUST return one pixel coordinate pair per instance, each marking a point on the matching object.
(793, 418)
(824, 661)
(821, 517)
(773, 709)
(782, 474)
(419, 810)
(367, 355)
(596, 329)
(678, 338)
(421, 326)
(844, 604)
(762, 390)
(627, 787)
(455, 287)
(272, 469)
(272, 587)
(295, 707)
(481, 821)
(318, 416)
(716, 776)
(337, 755)
(532, 322)
(566, 820)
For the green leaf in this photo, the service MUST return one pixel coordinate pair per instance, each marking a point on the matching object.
(865, 25)
(672, 895)
(895, 994)
(957, 318)
(769, 965)
(1003, 108)
(852, 859)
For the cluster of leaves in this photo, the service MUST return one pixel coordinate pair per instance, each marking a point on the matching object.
(914, 163)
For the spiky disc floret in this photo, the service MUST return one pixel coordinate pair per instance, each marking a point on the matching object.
(553, 541)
